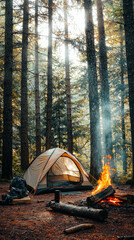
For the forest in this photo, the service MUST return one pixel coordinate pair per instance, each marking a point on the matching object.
(67, 81)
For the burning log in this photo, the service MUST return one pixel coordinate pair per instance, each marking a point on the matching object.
(95, 198)
(96, 214)
(78, 228)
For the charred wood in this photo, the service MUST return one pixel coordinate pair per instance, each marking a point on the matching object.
(106, 192)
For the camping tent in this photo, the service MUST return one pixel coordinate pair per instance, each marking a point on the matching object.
(56, 169)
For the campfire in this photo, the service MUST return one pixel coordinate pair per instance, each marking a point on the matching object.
(104, 192)
(104, 180)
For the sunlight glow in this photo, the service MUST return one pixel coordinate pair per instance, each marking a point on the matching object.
(76, 29)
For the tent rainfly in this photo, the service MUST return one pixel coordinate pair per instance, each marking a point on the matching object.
(56, 169)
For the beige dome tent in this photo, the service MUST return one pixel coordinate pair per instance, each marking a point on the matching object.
(56, 169)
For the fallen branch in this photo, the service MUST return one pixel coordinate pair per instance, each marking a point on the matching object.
(96, 214)
(78, 228)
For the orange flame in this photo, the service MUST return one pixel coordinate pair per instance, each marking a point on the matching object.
(104, 180)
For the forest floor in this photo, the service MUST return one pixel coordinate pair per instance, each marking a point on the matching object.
(36, 221)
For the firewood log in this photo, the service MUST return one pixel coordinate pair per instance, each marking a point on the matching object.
(96, 214)
(78, 228)
(106, 192)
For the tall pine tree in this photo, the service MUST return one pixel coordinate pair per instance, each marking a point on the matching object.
(37, 98)
(95, 132)
(7, 113)
(105, 99)
(67, 78)
(49, 77)
(24, 100)
(129, 38)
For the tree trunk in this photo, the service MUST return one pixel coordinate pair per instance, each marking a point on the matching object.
(68, 91)
(95, 132)
(1, 129)
(105, 99)
(24, 101)
(7, 112)
(59, 117)
(124, 155)
(129, 38)
(37, 98)
(49, 79)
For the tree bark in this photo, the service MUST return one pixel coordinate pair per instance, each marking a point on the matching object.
(67, 78)
(37, 97)
(49, 79)
(96, 150)
(105, 99)
(124, 155)
(96, 214)
(1, 129)
(129, 39)
(7, 111)
(24, 100)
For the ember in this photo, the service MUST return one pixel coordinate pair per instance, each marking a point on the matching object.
(112, 201)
